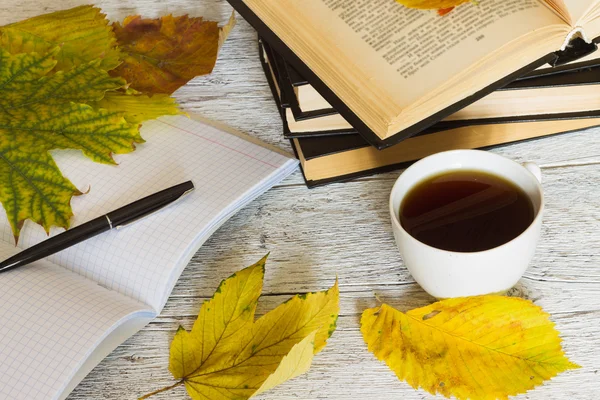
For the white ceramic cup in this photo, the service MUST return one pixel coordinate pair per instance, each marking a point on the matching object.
(445, 274)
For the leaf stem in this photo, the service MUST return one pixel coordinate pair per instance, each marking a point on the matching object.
(162, 390)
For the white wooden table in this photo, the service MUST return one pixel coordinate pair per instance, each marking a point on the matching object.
(344, 229)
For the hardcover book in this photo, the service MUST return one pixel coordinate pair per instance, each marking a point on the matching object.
(332, 159)
(392, 72)
(336, 158)
(571, 93)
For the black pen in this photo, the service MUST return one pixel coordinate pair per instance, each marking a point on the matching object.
(114, 219)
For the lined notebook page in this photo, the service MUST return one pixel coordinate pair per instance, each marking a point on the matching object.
(144, 260)
(50, 321)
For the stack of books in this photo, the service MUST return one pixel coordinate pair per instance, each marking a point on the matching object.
(366, 87)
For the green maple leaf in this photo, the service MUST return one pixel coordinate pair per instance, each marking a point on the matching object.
(56, 93)
(41, 111)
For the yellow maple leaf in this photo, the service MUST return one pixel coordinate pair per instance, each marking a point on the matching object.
(485, 347)
(228, 355)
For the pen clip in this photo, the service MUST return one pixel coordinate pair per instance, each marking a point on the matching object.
(159, 208)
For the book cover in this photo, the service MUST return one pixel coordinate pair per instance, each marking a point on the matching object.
(377, 139)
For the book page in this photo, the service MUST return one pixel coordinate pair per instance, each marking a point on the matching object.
(410, 51)
(51, 320)
(577, 9)
(143, 260)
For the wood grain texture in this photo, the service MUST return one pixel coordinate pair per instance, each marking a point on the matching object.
(344, 229)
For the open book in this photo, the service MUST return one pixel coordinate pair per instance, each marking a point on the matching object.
(60, 316)
(306, 102)
(391, 71)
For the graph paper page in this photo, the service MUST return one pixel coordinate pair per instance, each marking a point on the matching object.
(143, 260)
(50, 322)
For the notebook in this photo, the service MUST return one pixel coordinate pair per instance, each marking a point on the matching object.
(393, 71)
(60, 316)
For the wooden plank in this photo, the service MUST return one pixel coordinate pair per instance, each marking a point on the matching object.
(344, 229)
(366, 261)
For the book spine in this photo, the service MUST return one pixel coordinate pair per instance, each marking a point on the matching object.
(574, 49)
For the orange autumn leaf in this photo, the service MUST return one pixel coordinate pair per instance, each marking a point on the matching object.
(444, 11)
(443, 6)
(432, 4)
(161, 55)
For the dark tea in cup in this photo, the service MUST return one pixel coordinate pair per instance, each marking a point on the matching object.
(466, 211)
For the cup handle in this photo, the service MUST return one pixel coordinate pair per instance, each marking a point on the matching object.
(534, 169)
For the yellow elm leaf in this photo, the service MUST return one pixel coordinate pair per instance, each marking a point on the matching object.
(432, 4)
(485, 347)
(228, 355)
(82, 34)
